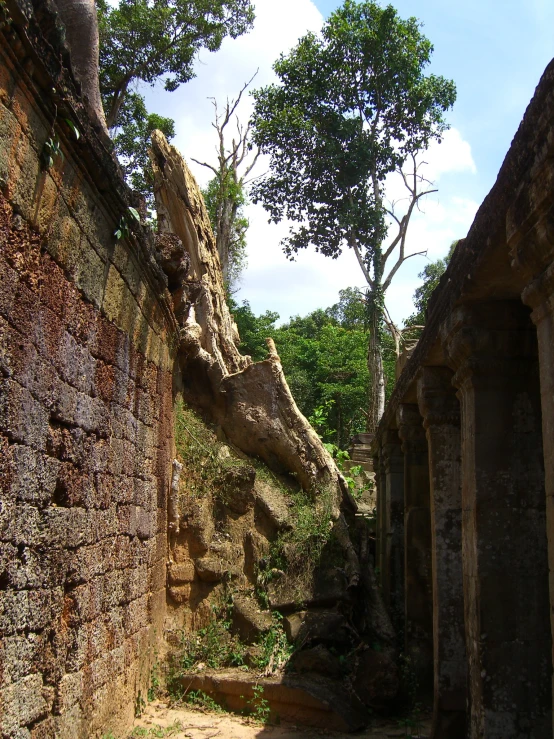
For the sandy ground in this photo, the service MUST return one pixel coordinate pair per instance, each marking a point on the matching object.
(161, 721)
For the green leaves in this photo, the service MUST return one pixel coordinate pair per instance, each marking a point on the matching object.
(123, 230)
(73, 127)
(324, 359)
(142, 40)
(50, 150)
(132, 140)
(134, 213)
(352, 103)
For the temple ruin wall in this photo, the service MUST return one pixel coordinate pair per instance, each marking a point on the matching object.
(87, 344)
(464, 461)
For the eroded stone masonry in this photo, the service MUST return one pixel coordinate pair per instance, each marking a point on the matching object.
(465, 463)
(464, 456)
(87, 341)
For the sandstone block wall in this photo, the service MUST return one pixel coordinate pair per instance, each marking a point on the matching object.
(466, 501)
(87, 342)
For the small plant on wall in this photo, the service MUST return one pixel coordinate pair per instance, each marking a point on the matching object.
(123, 229)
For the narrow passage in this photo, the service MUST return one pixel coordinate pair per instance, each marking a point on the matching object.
(159, 720)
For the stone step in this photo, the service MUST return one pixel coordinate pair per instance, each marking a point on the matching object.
(365, 439)
(309, 701)
(367, 467)
(361, 454)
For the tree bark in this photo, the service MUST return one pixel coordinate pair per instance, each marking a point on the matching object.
(376, 370)
(81, 24)
(251, 402)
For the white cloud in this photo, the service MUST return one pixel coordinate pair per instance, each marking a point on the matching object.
(277, 28)
(453, 154)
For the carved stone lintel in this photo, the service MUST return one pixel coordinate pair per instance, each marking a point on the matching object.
(539, 295)
(437, 397)
(410, 429)
(488, 341)
(530, 225)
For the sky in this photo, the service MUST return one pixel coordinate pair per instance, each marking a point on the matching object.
(494, 50)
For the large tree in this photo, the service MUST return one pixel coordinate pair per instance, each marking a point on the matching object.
(353, 105)
(81, 25)
(144, 40)
(147, 40)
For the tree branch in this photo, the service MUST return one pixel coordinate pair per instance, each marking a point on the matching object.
(397, 266)
(205, 164)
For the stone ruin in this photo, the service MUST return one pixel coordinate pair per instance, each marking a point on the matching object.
(103, 328)
(464, 461)
(98, 338)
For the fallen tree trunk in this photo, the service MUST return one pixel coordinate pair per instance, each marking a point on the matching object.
(251, 402)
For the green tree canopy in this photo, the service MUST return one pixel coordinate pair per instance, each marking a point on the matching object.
(132, 140)
(324, 359)
(431, 275)
(144, 40)
(352, 106)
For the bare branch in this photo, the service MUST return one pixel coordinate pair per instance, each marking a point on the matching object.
(354, 245)
(250, 166)
(397, 266)
(205, 164)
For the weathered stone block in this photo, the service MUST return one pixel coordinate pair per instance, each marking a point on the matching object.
(23, 178)
(136, 615)
(182, 572)
(248, 621)
(89, 273)
(47, 197)
(70, 691)
(209, 569)
(22, 703)
(33, 475)
(22, 418)
(18, 654)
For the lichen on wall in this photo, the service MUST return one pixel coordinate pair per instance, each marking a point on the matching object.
(87, 344)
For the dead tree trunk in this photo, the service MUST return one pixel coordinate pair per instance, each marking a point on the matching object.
(251, 402)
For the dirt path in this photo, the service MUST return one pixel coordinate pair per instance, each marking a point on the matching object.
(161, 721)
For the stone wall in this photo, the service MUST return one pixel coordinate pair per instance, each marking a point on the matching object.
(464, 461)
(87, 343)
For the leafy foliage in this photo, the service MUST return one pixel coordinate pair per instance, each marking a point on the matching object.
(352, 106)
(142, 41)
(132, 139)
(431, 275)
(225, 193)
(324, 359)
(253, 329)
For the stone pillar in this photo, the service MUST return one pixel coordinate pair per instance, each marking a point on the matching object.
(539, 295)
(493, 349)
(392, 465)
(441, 419)
(417, 546)
(380, 533)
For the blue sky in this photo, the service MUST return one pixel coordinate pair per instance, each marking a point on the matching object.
(494, 50)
